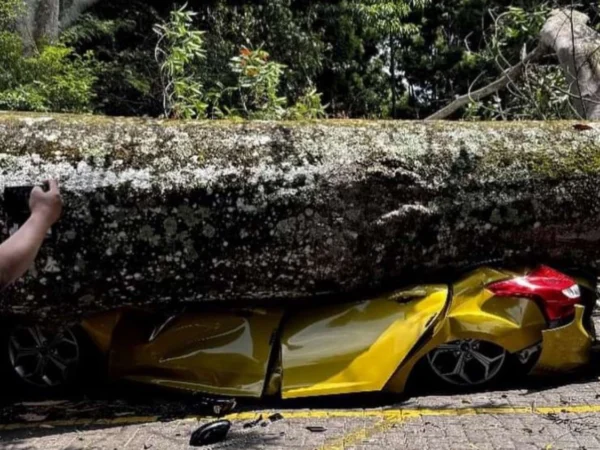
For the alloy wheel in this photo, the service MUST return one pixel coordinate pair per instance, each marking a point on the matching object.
(42, 358)
(467, 362)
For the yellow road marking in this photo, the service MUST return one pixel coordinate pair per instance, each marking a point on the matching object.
(359, 435)
(393, 415)
(401, 413)
(391, 418)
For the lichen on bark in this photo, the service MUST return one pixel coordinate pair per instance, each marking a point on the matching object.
(162, 212)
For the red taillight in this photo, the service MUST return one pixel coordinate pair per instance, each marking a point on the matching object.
(557, 292)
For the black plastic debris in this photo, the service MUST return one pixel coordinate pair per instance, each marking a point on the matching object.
(263, 423)
(224, 407)
(211, 433)
(275, 417)
(214, 406)
(253, 423)
(316, 429)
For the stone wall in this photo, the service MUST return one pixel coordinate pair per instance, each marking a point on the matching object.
(164, 212)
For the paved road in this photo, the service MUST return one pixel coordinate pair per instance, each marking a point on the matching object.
(563, 414)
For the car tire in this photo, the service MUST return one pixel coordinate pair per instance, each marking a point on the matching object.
(467, 363)
(37, 360)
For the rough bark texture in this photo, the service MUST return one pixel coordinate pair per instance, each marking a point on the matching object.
(38, 22)
(567, 34)
(165, 212)
(42, 20)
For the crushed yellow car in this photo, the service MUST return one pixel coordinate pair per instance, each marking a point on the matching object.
(464, 333)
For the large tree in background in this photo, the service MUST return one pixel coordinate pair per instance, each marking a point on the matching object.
(386, 19)
(42, 20)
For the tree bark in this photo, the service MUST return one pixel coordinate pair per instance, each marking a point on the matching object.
(577, 47)
(42, 20)
(166, 212)
(393, 75)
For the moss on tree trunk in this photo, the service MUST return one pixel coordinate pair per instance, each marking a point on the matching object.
(163, 212)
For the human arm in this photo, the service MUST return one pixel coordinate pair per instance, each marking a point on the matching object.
(18, 253)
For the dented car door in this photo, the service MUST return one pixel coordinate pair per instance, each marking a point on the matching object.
(352, 348)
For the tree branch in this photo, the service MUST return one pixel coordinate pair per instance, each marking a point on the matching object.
(508, 77)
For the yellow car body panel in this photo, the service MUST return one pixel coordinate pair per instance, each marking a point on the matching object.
(474, 313)
(100, 328)
(220, 353)
(565, 348)
(342, 349)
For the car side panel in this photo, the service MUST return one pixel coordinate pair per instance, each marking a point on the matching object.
(220, 353)
(351, 348)
(565, 348)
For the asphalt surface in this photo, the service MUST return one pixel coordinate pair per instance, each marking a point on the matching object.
(523, 414)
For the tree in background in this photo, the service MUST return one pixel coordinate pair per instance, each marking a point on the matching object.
(45, 77)
(386, 19)
(41, 21)
(287, 30)
(352, 80)
(363, 58)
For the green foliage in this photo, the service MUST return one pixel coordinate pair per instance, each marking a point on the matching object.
(289, 30)
(9, 10)
(122, 39)
(541, 95)
(516, 28)
(362, 58)
(55, 79)
(257, 84)
(89, 29)
(250, 88)
(387, 17)
(308, 106)
(353, 81)
(179, 47)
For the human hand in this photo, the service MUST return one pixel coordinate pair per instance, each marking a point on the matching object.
(47, 206)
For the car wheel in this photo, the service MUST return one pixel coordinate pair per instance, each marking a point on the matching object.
(41, 359)
(468, 362)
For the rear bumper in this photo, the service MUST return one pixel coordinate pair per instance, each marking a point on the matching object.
(566, 348)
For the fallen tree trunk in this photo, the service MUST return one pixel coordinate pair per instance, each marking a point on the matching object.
(165, 212)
